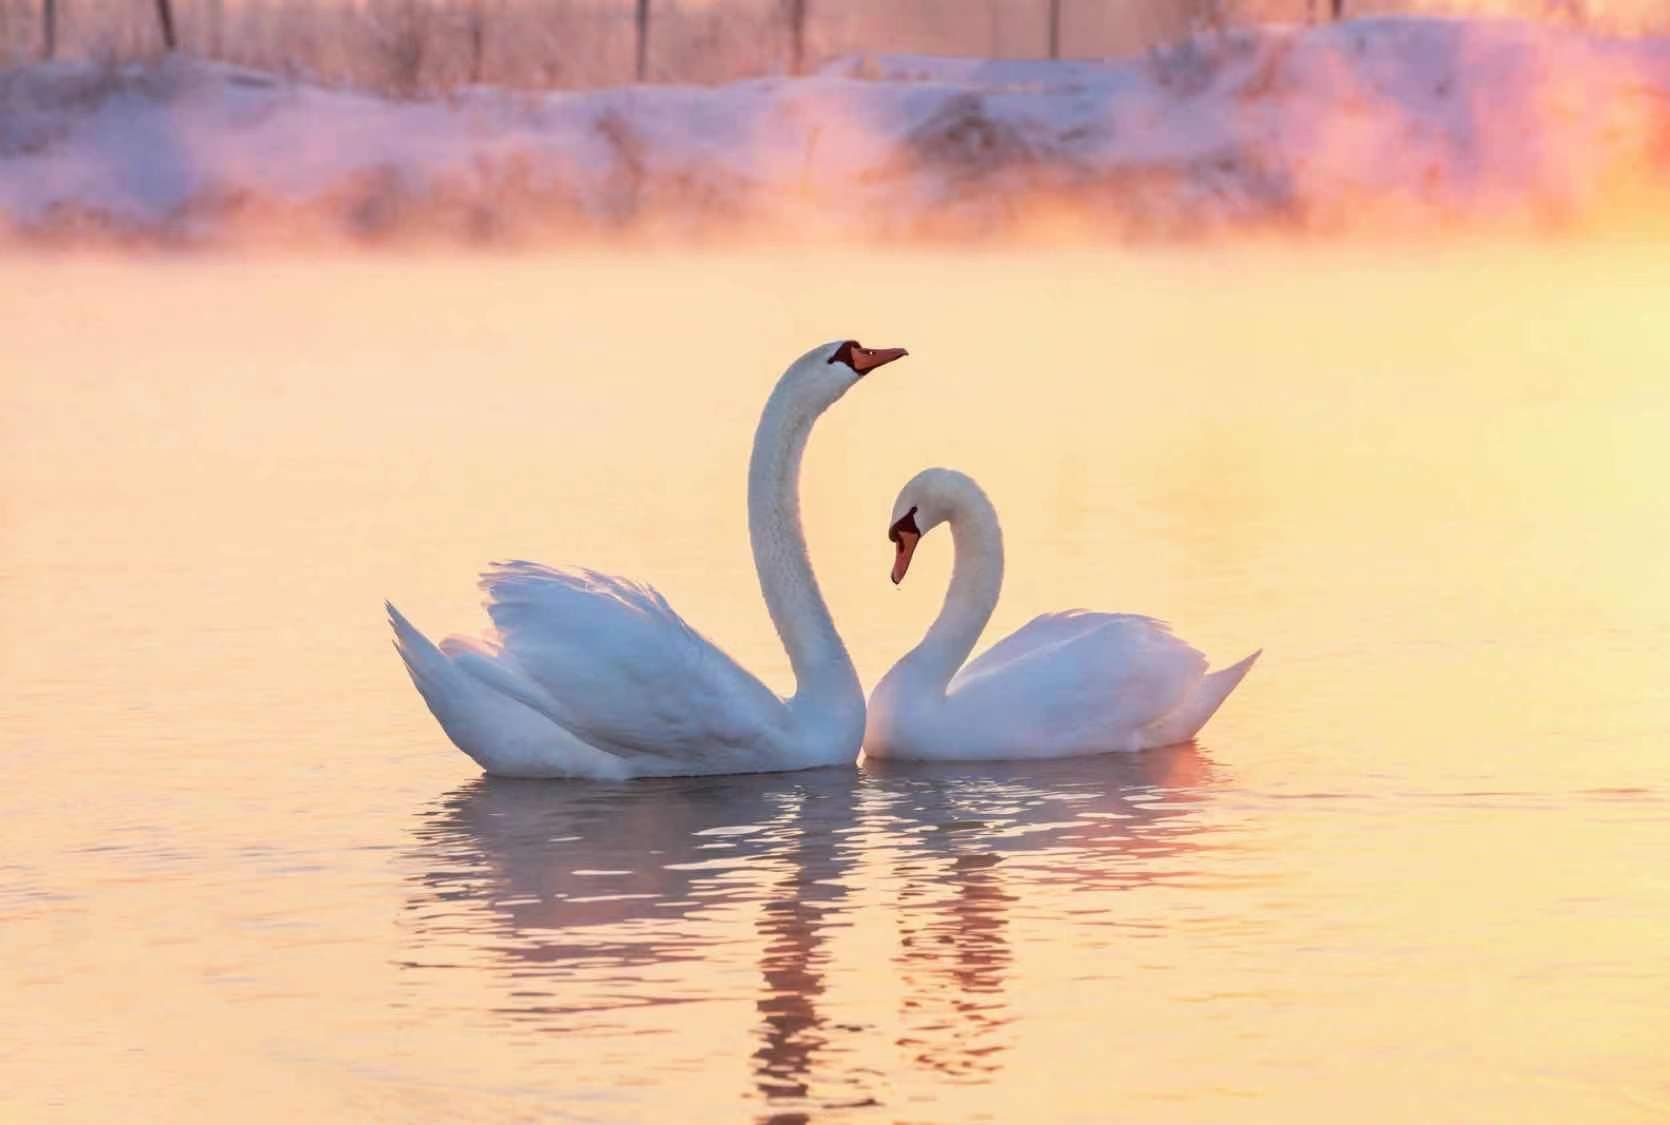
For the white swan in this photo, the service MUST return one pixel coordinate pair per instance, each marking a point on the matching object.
(1063, 684)
(597, 677)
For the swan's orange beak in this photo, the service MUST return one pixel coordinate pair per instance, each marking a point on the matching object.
(901, 560)
(866, 360)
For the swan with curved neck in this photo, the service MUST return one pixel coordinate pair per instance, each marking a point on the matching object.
(589, 675)
(1064, 684)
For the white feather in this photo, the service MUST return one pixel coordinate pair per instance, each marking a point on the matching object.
(1062, 684)
(588, 675)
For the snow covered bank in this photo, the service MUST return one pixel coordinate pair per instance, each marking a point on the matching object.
(1363, 126)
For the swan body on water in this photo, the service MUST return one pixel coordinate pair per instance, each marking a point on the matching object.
(597, 677)
(1063, 684)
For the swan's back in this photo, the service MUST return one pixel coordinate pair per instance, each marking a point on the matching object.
(626, 673)
(1068, 683)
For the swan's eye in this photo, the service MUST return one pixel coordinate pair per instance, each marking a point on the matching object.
(847, 353)
(906, 523)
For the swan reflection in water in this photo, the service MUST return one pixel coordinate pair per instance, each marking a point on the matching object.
(559, 887)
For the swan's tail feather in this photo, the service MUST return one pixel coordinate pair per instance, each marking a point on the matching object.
(456, 702)
(501, 733)
(1201, 704)
(427, 665)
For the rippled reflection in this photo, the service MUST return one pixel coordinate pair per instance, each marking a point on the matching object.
(959, 831)
(562, 890)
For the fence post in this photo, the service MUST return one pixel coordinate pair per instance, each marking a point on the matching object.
(49, 28)
(797, 35)
(165, 16)
(1055, 29)
(475, 38)
(643, 40)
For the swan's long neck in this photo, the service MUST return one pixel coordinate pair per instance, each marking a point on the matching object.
(823, 671)
(976, 581)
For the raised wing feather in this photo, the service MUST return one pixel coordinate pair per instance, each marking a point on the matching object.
(1079, 675)
(625, 672)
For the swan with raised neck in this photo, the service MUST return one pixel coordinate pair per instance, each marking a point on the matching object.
(826, 683)
(597, 677)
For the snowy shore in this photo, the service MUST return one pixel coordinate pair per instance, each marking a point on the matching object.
(1368, 125)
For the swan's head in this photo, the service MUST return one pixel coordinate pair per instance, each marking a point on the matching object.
(829, 370)
(929, 499)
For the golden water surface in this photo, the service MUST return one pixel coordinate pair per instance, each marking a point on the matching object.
(1415, 870)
